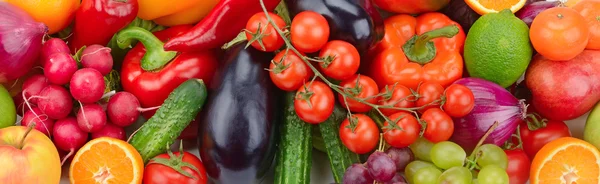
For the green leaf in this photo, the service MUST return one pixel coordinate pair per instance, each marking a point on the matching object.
(283, 12)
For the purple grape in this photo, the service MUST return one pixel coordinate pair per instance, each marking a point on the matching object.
(398, 179)
(401, 156)
(357, 174)
(381, 166)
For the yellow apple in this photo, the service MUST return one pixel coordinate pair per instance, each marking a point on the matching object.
(27, 156)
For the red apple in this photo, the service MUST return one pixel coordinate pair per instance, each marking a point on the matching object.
(564, 90)
(27, 156)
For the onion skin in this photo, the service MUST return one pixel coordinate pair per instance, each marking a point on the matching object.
(20, 42)
(492, 103)
(530, 11)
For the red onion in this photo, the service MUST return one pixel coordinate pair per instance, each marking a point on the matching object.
(492, 103)
(20, 41)
(530, 11)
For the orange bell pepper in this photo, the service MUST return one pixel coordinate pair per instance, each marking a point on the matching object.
(419, 49)
(175, 12)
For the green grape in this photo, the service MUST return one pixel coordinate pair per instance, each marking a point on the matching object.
(447, 154)
(493, 174)
(456, 175)
(475, 181)
(491, 154)
(421, 148)
(412, 168)
(427, 175)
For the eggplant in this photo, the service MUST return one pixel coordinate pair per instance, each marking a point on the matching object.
(237, 131)
(354, 21)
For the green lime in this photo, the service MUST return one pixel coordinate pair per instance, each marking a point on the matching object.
(8, 113)
(497, 48)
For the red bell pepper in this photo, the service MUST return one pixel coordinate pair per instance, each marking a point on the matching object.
(151, 73)
(96, 21)
(220, 26)
(411, 6)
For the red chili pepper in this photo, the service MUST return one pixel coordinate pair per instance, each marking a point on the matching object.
(151, 73)
(220, 26)
(96, 21)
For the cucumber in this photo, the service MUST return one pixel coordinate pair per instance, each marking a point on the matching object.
(340, 158)
(295, 147)
(176, 113)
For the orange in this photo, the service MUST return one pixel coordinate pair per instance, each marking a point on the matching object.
(571, 3)
(590, 10)
(106, 160)
(566, 159)
(56, 14)
(483, 7)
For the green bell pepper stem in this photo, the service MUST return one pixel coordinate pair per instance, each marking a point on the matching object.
(420, 48)
(156, 57)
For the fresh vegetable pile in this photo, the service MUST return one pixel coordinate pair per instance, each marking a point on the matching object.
(391, 91)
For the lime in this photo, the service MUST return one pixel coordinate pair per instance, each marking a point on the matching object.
(497, 48)
(8, 113)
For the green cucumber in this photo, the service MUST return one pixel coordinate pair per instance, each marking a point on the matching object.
(176, 113)
(340, 158)
(294, 160)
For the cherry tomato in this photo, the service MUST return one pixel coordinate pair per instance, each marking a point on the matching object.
(590, 10)
(314, 102)
(289, 72)
(268, 36)
(404, 133)
(359, 135)
(518, 166)
(159, 170)
(345, 60)
(439, 125)
(459, 101)
(366, 90)
(396, 95)
(309, 31)
(559, 33)
(429, 93)
(534, 140)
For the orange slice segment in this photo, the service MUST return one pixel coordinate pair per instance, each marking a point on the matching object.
(483, 7)
(566, 160)
(106, 161)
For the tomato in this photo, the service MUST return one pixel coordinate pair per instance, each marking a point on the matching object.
(397, 95)
(289, 72)
(559, 33)
(341, 60)
(314, 102)
(161, 169)
(534, 140)
(459, 100)
(518, 166)
(266, 39)
(439, 125)
(429, 95)
(366, 90)
(590, 10)
(404, 132)
(309, 31)
(360, 135)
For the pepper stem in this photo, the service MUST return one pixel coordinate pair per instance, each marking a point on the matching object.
(156, 57)
(420, 48)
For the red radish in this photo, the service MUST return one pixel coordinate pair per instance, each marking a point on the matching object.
(54, 45)
(97, 57)
(59, 68)
(33, 85)
(87, 85)
(55, 102)
(123, 109)
(67, 136)
(110, 130)
(42, 122)
(91, 117)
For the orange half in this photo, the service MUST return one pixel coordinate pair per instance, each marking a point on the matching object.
(566, 160)
(106, 161)
(483, 7)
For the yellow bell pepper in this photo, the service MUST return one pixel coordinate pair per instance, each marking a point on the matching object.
(191, 15)
(175, 12)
